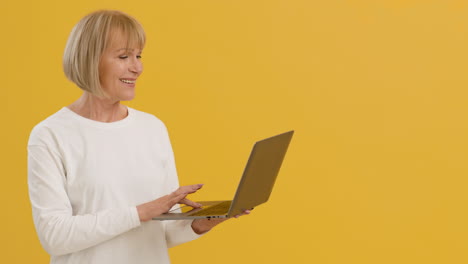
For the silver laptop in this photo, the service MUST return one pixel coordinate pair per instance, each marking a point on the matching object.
(254, 188)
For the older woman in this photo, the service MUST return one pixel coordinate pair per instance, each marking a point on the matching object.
(98, 171)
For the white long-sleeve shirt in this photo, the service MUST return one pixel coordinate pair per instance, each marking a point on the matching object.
(86, 179)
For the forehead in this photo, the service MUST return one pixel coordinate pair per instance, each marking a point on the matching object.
(117, 40)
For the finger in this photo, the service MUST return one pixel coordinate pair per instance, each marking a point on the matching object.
(181, 193)
(246, 212)
(185, 190)
(189, 188)
(190, 203)
(175, 198)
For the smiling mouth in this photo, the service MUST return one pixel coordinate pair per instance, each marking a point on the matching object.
(128, 81)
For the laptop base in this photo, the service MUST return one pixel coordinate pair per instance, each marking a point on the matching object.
(187, 212)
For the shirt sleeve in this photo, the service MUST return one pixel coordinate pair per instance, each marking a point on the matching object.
(60, 232)
(176, 231)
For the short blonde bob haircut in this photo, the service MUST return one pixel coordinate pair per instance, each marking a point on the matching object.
(88, 40)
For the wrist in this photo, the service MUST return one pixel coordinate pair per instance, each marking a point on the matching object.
(142, 213)
(201, 226)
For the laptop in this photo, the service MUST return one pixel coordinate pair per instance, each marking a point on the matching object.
(254, 188)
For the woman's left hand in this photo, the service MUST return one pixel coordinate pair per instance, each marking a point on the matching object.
(201, 226)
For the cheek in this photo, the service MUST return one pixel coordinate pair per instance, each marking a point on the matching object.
(105, 73)
(111, 76)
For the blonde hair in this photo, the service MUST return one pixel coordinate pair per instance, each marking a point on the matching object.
(88, 40)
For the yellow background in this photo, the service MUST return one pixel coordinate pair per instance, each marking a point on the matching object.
(377, 171)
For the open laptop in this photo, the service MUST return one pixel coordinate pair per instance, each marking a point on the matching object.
(254, 188)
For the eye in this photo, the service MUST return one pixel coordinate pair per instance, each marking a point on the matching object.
(123, 57)
(138, 56)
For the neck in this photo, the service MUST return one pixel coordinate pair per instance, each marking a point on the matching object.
(98, 109)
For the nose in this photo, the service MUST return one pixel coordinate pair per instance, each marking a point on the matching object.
(136, 66)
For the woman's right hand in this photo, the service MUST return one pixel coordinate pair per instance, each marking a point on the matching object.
(162, 205)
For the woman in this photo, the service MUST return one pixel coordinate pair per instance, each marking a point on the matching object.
(98, 171)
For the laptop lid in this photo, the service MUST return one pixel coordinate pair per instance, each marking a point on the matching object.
(260, 173)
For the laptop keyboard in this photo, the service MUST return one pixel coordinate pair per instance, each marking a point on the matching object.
(218, 209)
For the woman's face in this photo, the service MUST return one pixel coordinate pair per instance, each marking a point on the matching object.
(119, 69)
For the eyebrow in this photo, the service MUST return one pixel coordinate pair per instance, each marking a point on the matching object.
(129, 49)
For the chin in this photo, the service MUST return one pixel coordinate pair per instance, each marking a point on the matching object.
(127, 97)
